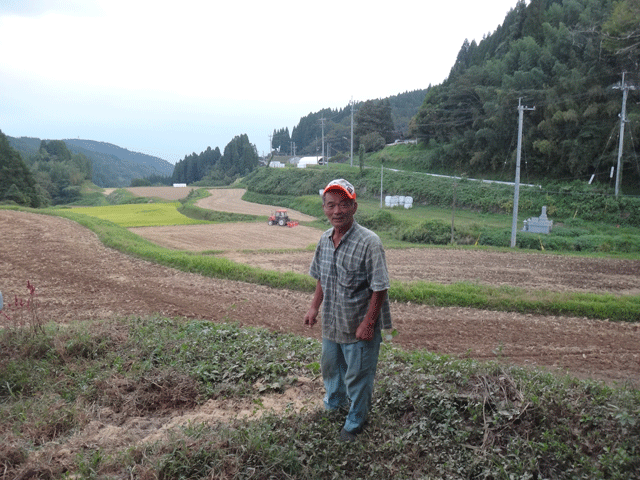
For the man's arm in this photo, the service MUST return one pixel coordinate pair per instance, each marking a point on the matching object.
(366, 327)
(311, 318)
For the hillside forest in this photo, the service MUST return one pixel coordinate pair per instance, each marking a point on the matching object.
(53, 175)
(569, 62)
(570, 67)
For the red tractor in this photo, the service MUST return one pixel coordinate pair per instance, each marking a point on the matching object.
(280, 217)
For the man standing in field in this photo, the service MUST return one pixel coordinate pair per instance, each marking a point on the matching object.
(352, 280)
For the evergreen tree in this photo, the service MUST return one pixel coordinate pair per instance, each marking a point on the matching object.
(281, 140)
(559, 56)
(374, 117)
(16, 180)
(621, 34)
(240, 157)
(55, 150)
(194, 167)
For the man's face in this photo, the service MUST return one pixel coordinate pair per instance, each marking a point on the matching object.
(339, 209)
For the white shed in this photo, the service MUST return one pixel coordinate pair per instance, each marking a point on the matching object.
(304, 161)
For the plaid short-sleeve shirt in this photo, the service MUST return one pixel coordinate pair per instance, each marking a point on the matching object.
(348, 275)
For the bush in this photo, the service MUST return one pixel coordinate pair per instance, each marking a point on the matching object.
(433, 232)
(626, 244)
(372, 142)
(495, 238)
(563, 231)
(558, 243)
(531, 241)
(592, 243)
(379, 220)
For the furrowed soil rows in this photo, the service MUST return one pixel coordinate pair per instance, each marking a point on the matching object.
(78, 278)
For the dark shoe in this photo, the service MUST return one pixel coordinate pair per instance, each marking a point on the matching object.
(347, 436)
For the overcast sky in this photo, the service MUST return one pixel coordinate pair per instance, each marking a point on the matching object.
(172, 78)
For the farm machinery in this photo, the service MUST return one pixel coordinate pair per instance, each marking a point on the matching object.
(281, 217)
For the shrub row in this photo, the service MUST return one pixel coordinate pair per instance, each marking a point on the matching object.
(574, 200)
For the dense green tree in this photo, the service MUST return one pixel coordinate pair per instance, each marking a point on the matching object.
(281, 140)
(55, 150)
(239, 158)
(140, 182)
(403, 107)
(194, 168)
(307, 135)
(17, 183)
(560, 57)
(621, 33)
(59, 172)
(374, 117)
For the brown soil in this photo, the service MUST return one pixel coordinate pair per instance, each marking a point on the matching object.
(78, 278)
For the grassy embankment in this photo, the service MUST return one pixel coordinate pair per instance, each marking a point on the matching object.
(587, 218)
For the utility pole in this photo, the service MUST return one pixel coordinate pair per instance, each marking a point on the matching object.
(351, 131)
(623, 119)
(322, 123)
(516, 191)
(453, 212)
(381, 175)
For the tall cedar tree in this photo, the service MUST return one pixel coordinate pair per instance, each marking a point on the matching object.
(240, 156)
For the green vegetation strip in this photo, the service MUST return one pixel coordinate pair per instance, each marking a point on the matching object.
(599, 306)
(432, 416)
(140, 215)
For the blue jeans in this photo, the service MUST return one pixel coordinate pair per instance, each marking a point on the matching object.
(348, 371)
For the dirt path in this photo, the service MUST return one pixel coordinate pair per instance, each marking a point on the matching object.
(230, 200)
(77, 278)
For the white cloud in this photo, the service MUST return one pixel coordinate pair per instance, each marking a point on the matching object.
(190, 71)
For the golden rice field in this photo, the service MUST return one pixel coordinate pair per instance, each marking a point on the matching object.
(141, 215)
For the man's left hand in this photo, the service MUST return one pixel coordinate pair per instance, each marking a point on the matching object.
(365, 331)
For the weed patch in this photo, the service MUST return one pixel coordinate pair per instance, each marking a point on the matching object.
(433, 416)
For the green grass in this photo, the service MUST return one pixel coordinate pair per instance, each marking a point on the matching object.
(140, 215)
(432, 417)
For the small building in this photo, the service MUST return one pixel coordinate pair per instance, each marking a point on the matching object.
(539, 224)
(304, 161)
(179, 184)
(276, 164)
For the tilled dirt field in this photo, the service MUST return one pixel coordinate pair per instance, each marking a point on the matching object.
(77, 278)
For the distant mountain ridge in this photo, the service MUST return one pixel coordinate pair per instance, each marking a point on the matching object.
(162, 166)
(113, 166)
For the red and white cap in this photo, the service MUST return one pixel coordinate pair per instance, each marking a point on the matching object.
(341, 185)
